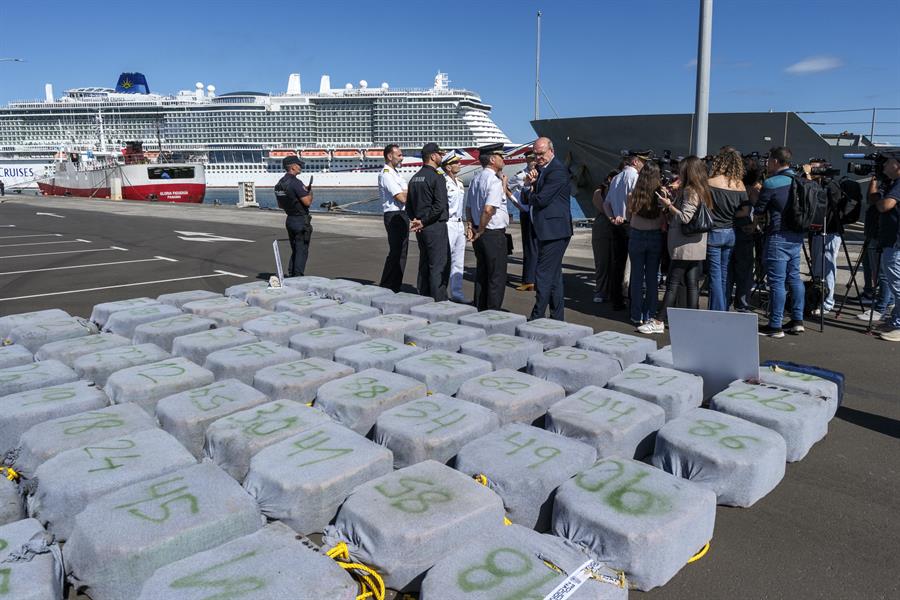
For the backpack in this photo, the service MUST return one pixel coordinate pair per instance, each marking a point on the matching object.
(806, 205)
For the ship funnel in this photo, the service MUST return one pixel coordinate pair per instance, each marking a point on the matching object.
(199, 92)
(325, 84)
(48, 92)
(293, 88)
(211, 91)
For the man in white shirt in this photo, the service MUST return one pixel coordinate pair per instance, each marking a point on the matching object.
(614, 208)
(456, 229)
(487, 220)
(392, 188)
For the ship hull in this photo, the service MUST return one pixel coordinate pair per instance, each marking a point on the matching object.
(139, 182)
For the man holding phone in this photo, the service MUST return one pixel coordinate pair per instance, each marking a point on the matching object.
(294, 199)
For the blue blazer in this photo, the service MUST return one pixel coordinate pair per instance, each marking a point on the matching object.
(551, 214)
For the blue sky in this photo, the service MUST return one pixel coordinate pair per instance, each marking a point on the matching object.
(599, 57)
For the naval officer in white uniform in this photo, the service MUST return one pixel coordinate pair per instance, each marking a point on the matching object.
(392, 188)
(488, 218)
(456, 227)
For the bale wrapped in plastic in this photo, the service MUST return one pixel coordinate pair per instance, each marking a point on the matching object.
(197, 346)
(101, 313)
(524, 465)
(494, 321)
(124, 322)
(391, 326)
(738, 460)
(514, 396)
(361, 294)
(801, 419)
(24, 410)
(517, 562)
(444, 311)
(432, 428)
(12, 507)
(186, 415)
(279, 327)
(271, 564)
(33, 335)
(304, 282)
(503, 351)
(241, 290)
(163, 332)
(400, 303)
(615, 424)
(242, 362)
(662, 358)
(71, 480)
(179, 299)
(553, 333)
(120, 540)
(327, 288)
(233, 440)
(378, 353)
(574, 368)
(15, 355)
(404, 522)
(303, 480)
(32, 376)
(304, 305)
(45, 440)
(346, 315)
(355, 401)
(442, 371)
(298, 380)
(268, 297)
(237, 316)
(676, 392)
(443, 336)
(98, 366)
(145, 385)
(32, 562)
(636, 518)
(804, 382)
(629, 349)
(323, 342)
(68, 351)
(206, 307)
(10, 322)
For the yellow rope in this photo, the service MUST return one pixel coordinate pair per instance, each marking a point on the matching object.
(700, 554)
(483, 480)
(371, 585)
(10, 473)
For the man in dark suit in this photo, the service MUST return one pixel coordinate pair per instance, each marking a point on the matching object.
(551, 220)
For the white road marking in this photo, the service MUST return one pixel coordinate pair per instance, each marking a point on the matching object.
(66, 252)
(230, 273)
(45, 243)
(105, 264)
(9, 237)
(199, 236)
(7, 225)
(50, 215)
(123, 285)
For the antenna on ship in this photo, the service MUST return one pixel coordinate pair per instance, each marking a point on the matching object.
(537, 70)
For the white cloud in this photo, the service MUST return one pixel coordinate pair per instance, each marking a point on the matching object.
(814, 64)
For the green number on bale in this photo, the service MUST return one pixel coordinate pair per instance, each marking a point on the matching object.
(605, 403)
(212, 402)
(100, 421)
(231, 587)
(775, 402)
(163, 371)
(543, 452)
(504, 384)
(158, 491)
(56, 394)
(365, 387)
(622, 497)
(312, 441)
(418, 503)
(109, 460)
(706, 428)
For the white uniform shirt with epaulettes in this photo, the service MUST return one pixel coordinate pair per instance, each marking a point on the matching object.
(486, 189)
(390, 183)
(456, 198)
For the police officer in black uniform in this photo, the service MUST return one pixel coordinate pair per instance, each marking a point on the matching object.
(428, 210)
(294, 199)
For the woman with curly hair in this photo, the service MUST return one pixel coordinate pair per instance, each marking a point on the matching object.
(728, 194)
(644, 242)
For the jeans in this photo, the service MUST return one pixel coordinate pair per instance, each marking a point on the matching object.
(890, 265)
(883, 295)
(644, 250)
(783, 267)
(832, 246)
(719, 246)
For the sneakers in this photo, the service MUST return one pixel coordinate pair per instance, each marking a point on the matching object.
(891, 336)
(599, 298)
(794, 326)
(818, 312)
(871, 313)
(772, 332)
(652, 326)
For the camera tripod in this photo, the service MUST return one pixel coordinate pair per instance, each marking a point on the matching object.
(854, 269)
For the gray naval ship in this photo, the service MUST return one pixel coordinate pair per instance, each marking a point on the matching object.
(592, 146)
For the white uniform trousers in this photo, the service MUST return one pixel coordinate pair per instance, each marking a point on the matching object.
(457, 233)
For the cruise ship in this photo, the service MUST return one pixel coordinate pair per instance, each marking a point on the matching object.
(242, 136)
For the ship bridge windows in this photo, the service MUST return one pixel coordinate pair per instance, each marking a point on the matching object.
(170, 172)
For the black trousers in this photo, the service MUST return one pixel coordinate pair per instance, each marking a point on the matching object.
(618, 261)
(602, 244)
(299, 231)
(434, 261)
(396, 223)
(490, 269)
(548, 286)
(529, 248)
(682, 274)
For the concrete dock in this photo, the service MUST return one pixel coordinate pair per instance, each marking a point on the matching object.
(829, 530)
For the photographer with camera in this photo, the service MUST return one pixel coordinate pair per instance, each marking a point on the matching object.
(885, 194)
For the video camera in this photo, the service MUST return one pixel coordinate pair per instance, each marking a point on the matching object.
(873, 167)
(824, 169)
(668, 165)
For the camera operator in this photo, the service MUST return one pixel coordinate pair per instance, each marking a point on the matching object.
(885, 194)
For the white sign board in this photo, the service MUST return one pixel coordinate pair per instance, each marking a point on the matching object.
(718, 346)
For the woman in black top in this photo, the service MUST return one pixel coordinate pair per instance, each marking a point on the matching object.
(728, 193)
